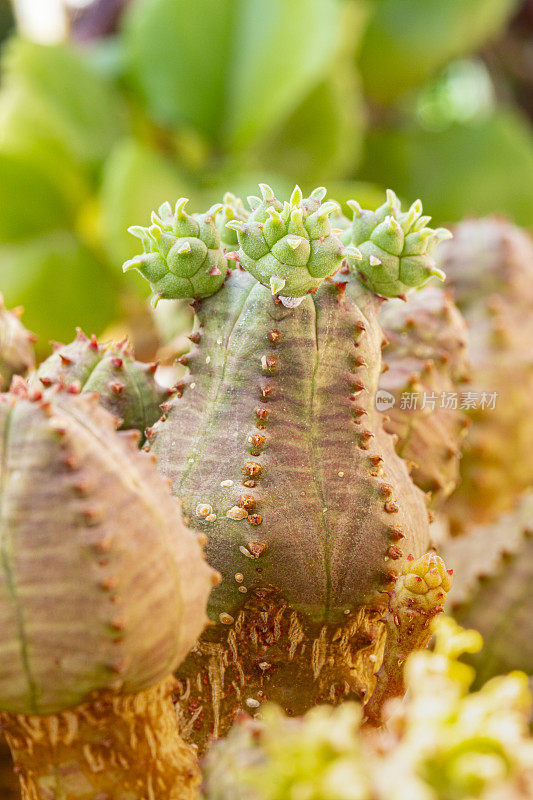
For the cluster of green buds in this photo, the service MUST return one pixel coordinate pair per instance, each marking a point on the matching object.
(396, 247)
(183, 256)
(290, 246)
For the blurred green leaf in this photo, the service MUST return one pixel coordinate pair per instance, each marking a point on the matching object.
(408, 41)
(176, 54)
(136, 180)
(60, 283)
(230, 68)
(281, 49)
(31, 202)
(323, 135)
(478, 168)
(51, 95)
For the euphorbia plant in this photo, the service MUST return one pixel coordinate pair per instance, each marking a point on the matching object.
(102, 593)
(275, 446)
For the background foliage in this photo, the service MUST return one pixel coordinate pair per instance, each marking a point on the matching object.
(193, 98)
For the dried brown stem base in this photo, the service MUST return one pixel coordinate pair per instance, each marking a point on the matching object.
(113, 747)
(271, 652)
(9, 783)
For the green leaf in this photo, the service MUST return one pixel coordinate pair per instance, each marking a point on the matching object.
(176, 53)
(31, 200)
(408, 41)
(281, 49)
(322, 137)
(136, 180)
(477, 168)
(60, 283)
(52, 95)
(231, 69)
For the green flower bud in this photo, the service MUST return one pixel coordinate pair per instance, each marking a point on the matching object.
(396, 247)
(290, 246)
(233, 209)
(183, 254)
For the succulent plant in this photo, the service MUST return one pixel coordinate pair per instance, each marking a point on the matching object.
(289, 247)
(396, 247)
(102, 593)
(183, 255)
(492, 591)
(490, 263)
(426, 365)
(127, 388)
(16, 345)
(276, 448)
(443, 743)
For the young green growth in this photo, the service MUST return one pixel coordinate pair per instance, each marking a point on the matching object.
(16, 345)
(127, 388)
(417, 597)
(396, 247)
(102, 593)
(232, 209)
(183, 255)
(290, 247)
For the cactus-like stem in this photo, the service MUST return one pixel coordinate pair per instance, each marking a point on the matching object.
(102, 594)
(426, 364)
(418, 595)
(16, 345)
(113, 746)
(279, 455)
(126, 388)
(492, 588)
(276, 447)
(490, 266)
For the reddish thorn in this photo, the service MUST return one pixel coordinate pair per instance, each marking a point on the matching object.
(116, 387)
